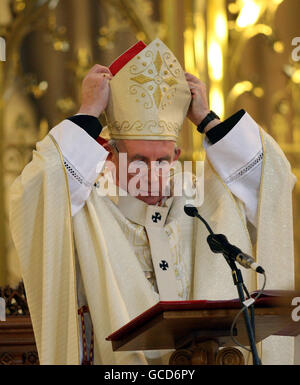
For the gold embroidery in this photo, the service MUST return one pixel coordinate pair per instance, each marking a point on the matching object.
(139, 91)
(154, 91)
(151, 126)
(173, 67)
(157, 96)
(158, 79)
(158, 62)
(142, 79)
(138, 68)
(171, 82)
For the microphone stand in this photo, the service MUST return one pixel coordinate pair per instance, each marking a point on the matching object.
(238, 282)
(219, 244)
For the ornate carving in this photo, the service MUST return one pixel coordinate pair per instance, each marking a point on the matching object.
(200, 357)
(181, 357)
(30, 358)
(16, 303)
(230, 356)
(121, 15)
(197, 353)
(18, 114)
(7, 359)
(21, 349)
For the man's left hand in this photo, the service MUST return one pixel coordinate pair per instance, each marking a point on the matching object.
(199, 107)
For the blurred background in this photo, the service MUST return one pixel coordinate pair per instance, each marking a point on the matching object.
(242, 49)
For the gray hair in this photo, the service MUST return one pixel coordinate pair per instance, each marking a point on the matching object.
(113, 143)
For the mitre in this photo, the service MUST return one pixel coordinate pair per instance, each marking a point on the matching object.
(149, 95)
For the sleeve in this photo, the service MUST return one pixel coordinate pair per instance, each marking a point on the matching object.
(41, 229)
(237, 157)
(220, 130)
(83, 156)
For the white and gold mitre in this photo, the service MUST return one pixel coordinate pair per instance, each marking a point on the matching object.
(149, 96)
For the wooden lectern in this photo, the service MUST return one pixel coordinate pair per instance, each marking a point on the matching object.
(199, 331)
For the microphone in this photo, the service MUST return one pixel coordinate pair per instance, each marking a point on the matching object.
(218, 243)
(191, 210)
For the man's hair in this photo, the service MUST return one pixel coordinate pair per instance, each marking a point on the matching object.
(114, 144)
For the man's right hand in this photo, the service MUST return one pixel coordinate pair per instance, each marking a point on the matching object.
(95, 91)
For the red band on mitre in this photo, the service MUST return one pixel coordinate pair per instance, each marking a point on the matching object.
(119, 63)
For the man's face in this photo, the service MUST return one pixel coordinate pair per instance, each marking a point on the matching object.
(147, 168)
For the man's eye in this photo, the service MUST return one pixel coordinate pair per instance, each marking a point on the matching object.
(137, 165)
(162, 163)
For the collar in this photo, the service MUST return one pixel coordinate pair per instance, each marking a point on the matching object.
(140, 212)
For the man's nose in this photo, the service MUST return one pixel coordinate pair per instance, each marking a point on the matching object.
(153, 174)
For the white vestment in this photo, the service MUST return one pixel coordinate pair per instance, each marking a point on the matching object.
(245, 175)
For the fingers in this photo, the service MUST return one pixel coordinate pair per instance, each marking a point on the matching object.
(106, 76)
(97, 68)
(193, 85)
(99, 73)
(192, 78)
(101, 79)
(196, 87)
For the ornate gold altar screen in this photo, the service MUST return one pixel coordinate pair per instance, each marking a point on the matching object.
(242, 49)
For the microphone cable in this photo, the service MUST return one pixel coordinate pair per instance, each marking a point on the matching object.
(252, 314)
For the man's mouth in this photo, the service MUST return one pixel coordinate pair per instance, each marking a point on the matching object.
(149, 193)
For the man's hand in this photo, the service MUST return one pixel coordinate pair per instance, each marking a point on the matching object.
(95, 91)
(199, 105)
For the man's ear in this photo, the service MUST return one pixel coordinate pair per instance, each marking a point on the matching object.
(177, 153)
(109, 149)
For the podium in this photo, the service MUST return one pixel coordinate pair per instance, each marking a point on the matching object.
(199, 331)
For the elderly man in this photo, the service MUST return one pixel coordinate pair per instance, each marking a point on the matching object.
(109, 257)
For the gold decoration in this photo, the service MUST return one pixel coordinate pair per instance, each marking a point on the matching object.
(171, 82)
(158, 62)
(157, 96)
(141, 129)
(159, 92)
(158, 79)
(142, 79)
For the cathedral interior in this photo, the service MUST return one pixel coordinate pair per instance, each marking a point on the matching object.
(244, 50)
